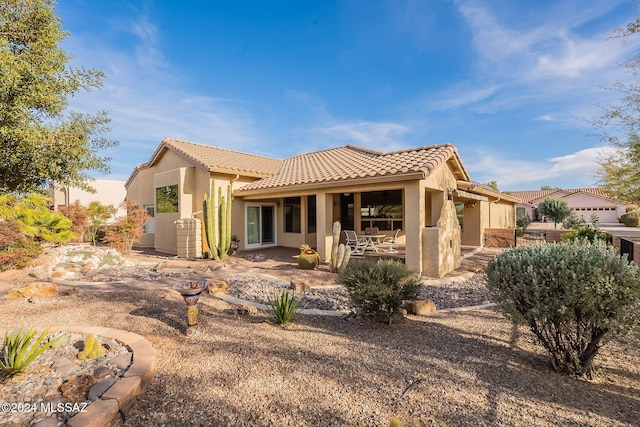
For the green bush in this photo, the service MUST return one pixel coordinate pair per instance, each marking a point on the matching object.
(587, 232)
(284, 307)
(571, 295)
(18, 352)
(631, 207)
(631, 218)
(380, 287)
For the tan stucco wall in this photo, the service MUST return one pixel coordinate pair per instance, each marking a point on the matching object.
(471, 233)
(441, 244)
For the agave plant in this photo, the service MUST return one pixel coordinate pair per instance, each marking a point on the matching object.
(18, 352)
(284, 307)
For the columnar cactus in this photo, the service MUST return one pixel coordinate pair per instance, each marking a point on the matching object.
(217, 222)
(340, 254)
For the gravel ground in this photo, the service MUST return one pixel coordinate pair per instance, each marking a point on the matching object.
(463, 368)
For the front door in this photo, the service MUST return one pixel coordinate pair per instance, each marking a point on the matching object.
(260, 225)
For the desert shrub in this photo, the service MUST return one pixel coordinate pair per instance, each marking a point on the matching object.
(79, 219)
(571, 295)
(523, 221)
(631, 218)
(9, 233)
(19, 254)
(380, 287)
(16, 250)
(283, 307)
(589, 232)
(122, 234)
(631, 207)
(573, 221)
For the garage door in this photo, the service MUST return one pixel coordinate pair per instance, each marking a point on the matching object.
(605, 214)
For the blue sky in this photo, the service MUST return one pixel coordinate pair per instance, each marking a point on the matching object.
(512, 84)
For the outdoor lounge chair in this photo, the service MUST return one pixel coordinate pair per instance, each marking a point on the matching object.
(357, 244)
(391, 241)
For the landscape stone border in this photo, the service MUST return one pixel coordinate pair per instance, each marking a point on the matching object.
(122, 394)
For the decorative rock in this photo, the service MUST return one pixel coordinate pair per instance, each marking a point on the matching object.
(301, 285)
(245, 310)
(38, 290)
(74, 290)
(420, 307)
(75, 388)
(46, 422)
(64, 366)
(121, 361)
(217, 285)
(101, 372)
(99, 388)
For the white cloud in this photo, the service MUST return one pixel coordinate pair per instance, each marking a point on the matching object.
(572, 170)
(377, 135)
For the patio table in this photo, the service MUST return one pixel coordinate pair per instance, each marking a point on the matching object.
(371, 246)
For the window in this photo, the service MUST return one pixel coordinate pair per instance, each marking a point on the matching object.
(148, 226)
(167, 199)
(292, 215)
(381, 209)
(311, 214)
(460, 214)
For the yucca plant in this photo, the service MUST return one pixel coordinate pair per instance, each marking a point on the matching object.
(284, 306)
(18, 352)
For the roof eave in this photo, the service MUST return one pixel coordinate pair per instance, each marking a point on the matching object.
(283, 190)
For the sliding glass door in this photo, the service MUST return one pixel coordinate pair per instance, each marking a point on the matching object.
(260, 224)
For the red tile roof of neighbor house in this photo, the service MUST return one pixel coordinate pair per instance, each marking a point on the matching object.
(352, 163)
(534, 195)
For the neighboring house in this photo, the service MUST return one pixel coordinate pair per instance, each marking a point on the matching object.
(108, 192)
(424, 191)
(584, 202)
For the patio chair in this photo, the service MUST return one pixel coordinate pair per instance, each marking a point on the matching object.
(357, 244)
(391, 241)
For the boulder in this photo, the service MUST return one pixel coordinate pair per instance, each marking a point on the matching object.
(217, 285)
(300, 285)
(420, 307)
(245, 310)
(37, 290)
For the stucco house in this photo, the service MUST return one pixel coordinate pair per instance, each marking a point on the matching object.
(424, 191)
(584, 202)
(108, 192)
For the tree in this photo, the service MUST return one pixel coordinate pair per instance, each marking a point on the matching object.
(79, 218)
(493, 184)
(548, 187)
(40, 138)
(555, 209)
(619, 171)
(122, 234)
(98, 214)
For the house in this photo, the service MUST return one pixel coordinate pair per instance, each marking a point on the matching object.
(584, 202)
(424, 191)
(108, 192)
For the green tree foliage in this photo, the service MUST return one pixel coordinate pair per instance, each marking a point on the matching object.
(40, 138)
(571, 295)
(98, 215)
(35, 219)
(619, 171)
(492, 185)
(380, 287)
(555, 209)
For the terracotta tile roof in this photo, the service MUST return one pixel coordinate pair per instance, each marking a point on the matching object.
(350, 162)
(222, 159)
(539, 195)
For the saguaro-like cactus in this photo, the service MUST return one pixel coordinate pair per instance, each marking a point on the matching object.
(217, 222)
